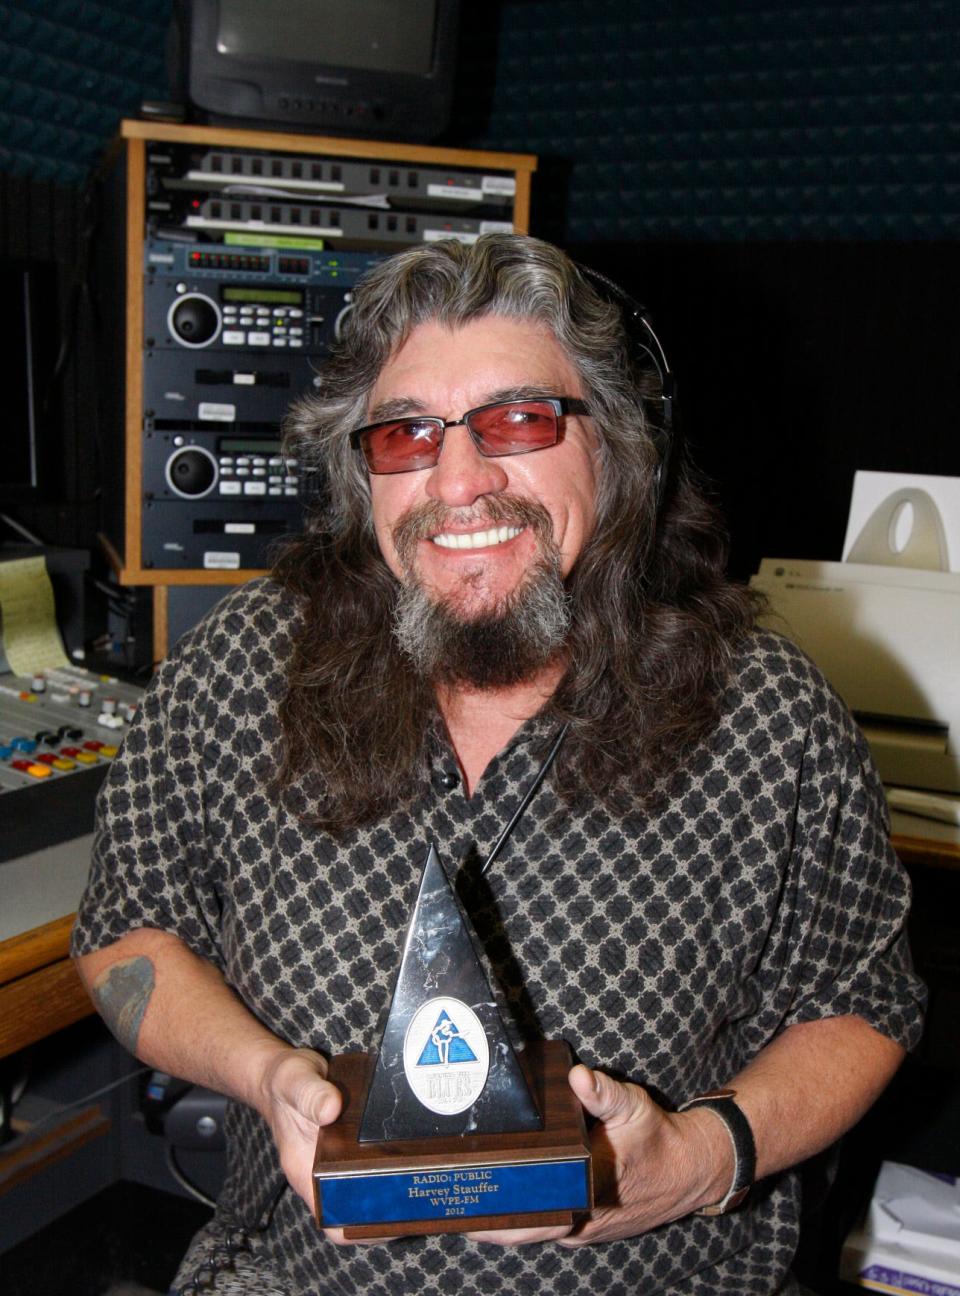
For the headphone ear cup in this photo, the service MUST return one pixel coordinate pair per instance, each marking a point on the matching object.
(648, 349)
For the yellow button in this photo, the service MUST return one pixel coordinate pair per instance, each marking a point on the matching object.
(38, 771)
(63, 763)
(88, 758)
(108, 751)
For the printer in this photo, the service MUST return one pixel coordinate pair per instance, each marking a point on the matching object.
(884, 630)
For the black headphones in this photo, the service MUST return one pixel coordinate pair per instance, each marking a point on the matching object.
(641, 334)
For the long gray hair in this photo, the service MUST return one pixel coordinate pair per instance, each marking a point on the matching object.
(654, 620)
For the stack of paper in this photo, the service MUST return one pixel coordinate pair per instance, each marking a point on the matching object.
(910, 1239)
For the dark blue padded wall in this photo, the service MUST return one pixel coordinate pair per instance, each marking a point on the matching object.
(68, 72)
(760, 119)
(702, 119)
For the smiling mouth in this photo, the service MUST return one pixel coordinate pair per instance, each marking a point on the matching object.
(476, 539)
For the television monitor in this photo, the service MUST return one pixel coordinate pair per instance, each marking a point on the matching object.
(380, 68)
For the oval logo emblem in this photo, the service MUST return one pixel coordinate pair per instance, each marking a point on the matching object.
(446, 1057)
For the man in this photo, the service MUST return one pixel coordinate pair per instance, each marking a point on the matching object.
(700, 894)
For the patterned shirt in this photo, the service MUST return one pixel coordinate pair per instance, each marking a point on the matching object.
(668, 945)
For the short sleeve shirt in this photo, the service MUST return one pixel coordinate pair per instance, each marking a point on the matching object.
(667, 942)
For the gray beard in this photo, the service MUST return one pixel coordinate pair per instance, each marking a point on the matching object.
(505, 646)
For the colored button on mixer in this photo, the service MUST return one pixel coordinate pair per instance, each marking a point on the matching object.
(87, 757)
(57, 762)
(106, 750)
(32, 768)
(27, 745)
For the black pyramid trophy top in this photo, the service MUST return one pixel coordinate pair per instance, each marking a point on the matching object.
(446, 1064)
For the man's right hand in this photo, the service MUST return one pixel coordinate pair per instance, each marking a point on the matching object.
(174, 1010)
(297, 1100)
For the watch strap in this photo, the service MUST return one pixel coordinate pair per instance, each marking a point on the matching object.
(721, 1103)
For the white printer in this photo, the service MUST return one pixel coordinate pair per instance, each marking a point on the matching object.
(884, 630)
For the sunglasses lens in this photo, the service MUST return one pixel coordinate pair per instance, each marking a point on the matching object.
(506, 428)
(515, 427)
(401, 446)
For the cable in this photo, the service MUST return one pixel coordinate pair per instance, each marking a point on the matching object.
(17, 1089)
(114, 591)
(14, 525)
(236, 1240)
(187, 1184)
(59, 1112)
(531, 792)
(222, 1258)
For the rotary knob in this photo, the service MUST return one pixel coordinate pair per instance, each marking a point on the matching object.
(194, 320)
(191, 472)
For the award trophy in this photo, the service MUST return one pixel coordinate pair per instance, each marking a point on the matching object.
(447, 1128)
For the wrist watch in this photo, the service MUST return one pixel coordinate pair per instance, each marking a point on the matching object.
(721, 1103)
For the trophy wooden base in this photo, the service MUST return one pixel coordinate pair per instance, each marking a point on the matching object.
(459, 1183)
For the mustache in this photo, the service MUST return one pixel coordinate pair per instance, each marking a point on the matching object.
(428, 519)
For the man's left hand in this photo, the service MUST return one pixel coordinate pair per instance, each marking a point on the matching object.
(649, 1165)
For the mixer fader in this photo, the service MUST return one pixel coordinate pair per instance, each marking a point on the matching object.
(59, 730)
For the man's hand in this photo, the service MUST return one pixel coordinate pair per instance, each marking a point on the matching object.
(649, 1165)
(297, 1100)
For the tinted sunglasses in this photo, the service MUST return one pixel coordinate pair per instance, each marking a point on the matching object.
(501, 428)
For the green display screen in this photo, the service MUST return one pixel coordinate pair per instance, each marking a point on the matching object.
(265, 296)
(234, 445)
(283, 241)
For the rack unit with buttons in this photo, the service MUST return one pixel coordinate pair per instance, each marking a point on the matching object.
(226, 274)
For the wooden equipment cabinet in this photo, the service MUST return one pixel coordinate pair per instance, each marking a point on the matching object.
(135, 207)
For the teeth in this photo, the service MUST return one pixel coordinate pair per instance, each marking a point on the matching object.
(476, 539)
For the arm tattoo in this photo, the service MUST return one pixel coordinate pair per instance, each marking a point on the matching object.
(121, 994)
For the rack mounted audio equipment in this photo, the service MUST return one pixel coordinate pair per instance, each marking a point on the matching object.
(227, 275)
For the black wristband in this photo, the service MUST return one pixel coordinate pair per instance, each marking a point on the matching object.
(721, 1103)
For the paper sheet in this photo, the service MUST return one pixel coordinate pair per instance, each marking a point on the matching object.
(28, 619)
(941, 495)
(910, 1239)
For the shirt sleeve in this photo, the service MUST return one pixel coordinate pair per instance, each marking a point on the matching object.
(150, 865)
(838, 945)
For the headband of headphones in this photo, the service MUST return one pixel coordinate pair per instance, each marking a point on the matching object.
(641, 334)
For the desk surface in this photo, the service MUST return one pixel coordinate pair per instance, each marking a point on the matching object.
(40, 992)
(925, 841)
(41, 887)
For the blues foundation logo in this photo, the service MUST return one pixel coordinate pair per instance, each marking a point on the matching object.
(446, 1057)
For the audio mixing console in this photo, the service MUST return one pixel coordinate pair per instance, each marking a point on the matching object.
(59, 730)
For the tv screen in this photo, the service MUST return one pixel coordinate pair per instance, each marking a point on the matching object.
(383, 35)
(381, 68)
